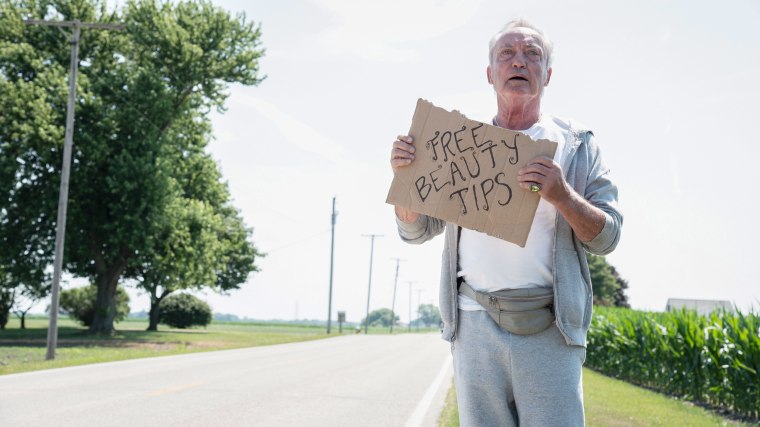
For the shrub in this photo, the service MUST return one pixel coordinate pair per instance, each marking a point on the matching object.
(183, 311)
(79, 304)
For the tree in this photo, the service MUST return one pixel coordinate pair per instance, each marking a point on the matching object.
(609, 287)
(6, 302)
(621, 299)
(27, 298)
(198, 248)
(429, 314)
(27, 195)
(202, 240)
(22, 284)
(381, 317)
(79, 304)
(137, 90)
(184, 311)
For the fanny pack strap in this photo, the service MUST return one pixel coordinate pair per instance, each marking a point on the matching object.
(467, 290)
(522, 318)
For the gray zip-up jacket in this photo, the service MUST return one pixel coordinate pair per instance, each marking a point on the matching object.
(587, 174)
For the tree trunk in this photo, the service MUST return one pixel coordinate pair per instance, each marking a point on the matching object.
(105, 304)
(6, 302)
(23, 321)
(155, 302)
(153, 316)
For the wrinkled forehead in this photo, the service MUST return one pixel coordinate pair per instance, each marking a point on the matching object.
(519, 35)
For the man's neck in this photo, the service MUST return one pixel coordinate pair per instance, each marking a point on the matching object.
(517, 117)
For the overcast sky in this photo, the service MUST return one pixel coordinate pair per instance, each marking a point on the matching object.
(670, 89)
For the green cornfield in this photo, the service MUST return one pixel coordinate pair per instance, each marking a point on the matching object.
(711, 359)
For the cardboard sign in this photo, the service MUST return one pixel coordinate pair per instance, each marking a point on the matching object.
(465, 172)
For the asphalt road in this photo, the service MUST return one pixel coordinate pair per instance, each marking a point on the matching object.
(356, 380)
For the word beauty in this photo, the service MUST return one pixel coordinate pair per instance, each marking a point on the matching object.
(465, 172)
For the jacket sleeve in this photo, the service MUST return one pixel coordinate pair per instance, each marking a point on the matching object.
(603, 193)
(421, 230)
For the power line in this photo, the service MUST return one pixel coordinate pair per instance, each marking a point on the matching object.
(287, 245)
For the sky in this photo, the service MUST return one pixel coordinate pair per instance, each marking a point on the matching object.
(669, 88)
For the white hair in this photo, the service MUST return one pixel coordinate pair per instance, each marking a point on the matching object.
(546, 43)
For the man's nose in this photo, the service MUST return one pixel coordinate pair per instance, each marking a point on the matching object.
(518, 61)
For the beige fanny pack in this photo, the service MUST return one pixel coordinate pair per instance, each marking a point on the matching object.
(519, 311)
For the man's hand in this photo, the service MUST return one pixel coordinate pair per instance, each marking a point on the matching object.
(402, 155)
(549, 177)
(585, 219)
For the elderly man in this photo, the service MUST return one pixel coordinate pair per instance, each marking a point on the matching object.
(511, 376)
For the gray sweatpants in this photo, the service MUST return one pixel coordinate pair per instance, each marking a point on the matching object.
(504, 379)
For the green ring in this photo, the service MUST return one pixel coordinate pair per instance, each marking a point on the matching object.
(535, 188)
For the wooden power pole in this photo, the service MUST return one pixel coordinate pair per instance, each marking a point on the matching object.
(369, 285)
(63, 197)
(393, 304)
(332, 252)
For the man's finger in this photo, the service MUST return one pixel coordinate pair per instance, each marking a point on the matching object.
(401, 145)
(538, 167)
(399, 153)
(528, 184)
(400, 162)
(531, 177)
(406, 138)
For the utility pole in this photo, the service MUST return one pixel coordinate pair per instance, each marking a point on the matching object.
(369, 287)
(410, 305)
(68, 142)
(393, 304)
(332, 253)
(419, 292)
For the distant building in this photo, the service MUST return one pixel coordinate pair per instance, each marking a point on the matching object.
(702, 306)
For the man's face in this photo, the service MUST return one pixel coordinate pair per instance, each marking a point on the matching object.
(518, 70)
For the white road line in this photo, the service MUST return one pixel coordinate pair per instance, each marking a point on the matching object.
(427, 399)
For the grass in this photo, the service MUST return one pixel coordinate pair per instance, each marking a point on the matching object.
(23, 350)
(450, 414)
(611, 402)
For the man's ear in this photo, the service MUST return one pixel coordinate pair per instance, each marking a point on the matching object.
(548, 76)
(488, 74)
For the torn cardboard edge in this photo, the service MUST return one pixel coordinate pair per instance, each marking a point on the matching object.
(465, 172)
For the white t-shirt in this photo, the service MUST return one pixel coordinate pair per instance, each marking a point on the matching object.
(491, 264)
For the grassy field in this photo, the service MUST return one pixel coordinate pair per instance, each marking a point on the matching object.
(611, 402)
(24, 350)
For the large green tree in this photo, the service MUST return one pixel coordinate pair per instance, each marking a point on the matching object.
(197, 248)
(381, 317)
(202, 240)
(31, 138)
(429, 314)
(137, 90)
(609, 287)
(79, 304)
(621, 298)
